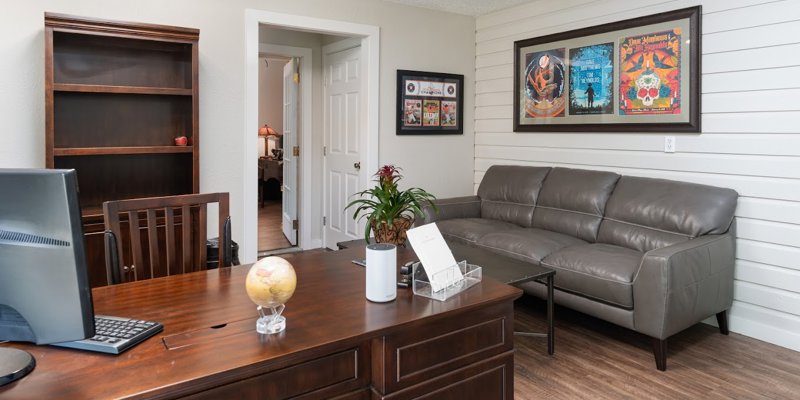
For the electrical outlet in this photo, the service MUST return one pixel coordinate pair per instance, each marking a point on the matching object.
(669, 144)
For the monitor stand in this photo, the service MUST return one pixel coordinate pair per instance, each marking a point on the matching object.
(14, 364)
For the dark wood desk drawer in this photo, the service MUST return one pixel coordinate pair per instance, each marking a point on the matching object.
(319, 378)
(492, 379)
(417, 354)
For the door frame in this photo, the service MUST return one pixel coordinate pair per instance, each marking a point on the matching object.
(370, 45)
(304, 130)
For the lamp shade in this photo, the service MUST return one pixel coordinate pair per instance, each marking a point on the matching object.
(266, 130)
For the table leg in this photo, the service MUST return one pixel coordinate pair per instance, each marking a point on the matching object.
(550, 334)
(550, 329)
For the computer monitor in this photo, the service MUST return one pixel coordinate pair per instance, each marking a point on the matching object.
(44, 288)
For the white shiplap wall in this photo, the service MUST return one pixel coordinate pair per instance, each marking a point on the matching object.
(750, 140)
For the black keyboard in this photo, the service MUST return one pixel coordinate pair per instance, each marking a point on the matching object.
(114, 335)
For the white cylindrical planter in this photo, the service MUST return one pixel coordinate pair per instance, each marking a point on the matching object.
(381, 272)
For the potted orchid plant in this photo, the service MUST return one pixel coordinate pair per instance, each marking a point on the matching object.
(389, 211)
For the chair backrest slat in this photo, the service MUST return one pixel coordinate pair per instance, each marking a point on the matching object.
(137, 267)
(162, 259)
(200, 239)
(169, 232)
(152, 242)
(186, 239)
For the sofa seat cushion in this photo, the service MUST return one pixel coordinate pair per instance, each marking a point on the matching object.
(469, 230)
(598, 271)
(527, 244)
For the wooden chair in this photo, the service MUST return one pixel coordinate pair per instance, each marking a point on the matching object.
(164, 227)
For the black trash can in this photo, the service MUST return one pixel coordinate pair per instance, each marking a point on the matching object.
(212, 253)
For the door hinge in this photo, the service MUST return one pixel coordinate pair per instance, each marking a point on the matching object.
(296, 151)
(324, 150)
(324, 221)
(295, 224)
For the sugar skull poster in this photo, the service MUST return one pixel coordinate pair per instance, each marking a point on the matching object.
(650, 73)
(591, 79)
(545, 94)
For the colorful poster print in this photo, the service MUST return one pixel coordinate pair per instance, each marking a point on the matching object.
(430, 113)
(544, 95)
(591, 79)
(650, 73)
(449, 115)
(413, 113)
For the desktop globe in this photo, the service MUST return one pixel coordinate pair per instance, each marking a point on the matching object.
(270, 283)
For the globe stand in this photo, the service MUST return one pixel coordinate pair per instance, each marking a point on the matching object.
(271, 323)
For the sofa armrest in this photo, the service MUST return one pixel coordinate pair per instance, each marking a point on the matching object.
(455, 207)
(680, 285)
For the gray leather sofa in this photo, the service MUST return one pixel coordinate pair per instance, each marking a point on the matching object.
(652, 255)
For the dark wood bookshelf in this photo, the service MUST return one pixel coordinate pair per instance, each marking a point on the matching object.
(116, 96)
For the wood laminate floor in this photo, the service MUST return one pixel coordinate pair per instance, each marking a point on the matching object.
(598, 360)
(270, 234)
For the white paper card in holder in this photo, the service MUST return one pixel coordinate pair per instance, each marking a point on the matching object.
(434, 255)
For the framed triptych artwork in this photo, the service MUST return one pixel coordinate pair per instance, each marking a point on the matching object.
(637, 75)
(429, 103)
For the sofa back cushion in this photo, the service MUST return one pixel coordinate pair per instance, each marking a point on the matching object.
(509, 192)
(572, 202)
(646, 213)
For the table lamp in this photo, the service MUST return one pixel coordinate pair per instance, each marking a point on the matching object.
(263, 133)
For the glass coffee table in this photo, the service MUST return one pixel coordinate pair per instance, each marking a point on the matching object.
(512, 272)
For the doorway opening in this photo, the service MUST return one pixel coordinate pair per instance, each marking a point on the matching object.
(271, 113)
(276, 34)
(284, 108)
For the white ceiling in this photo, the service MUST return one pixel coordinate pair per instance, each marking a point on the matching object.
(467, 7)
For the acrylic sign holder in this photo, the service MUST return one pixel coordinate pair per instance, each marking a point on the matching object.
(454, 282)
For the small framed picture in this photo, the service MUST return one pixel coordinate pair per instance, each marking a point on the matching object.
(429, 103)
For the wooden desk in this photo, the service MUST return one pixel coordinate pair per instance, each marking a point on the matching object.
(336, 344)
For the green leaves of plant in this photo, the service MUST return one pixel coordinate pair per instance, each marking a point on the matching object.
(384, 203)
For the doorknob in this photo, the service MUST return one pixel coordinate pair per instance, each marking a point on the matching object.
(357, 166)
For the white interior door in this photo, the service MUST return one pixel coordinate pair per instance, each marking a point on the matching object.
(343, 143)
(289, 190)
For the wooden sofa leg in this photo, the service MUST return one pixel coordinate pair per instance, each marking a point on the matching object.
(660, 351)
(722, 321)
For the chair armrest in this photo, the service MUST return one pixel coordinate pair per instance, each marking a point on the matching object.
(680, 285)
(454, 207)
